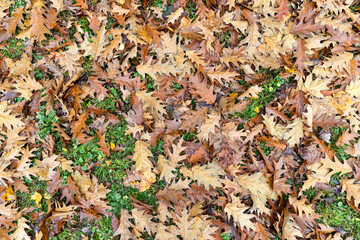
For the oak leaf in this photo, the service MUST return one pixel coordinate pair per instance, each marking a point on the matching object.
(295, 132)
(302, 207)
(38, 22)
(124, 225)
(26, 85)
(79, 125)
(236, 211)
(352, 188)
(157, 68)
(253, 41)
(97, 46)
(354, 88)
(143, 165)
(103, 145)
(14, 21)
(7, 119)
(166, 169)
(259, 189)
(300, 54)
(185, 224)
(207, 175)
(290, 228)
(20, 232)
(261, 232)
(143, 221)
(151, 103)
(208, 127)
(307, 28)
(274, 129)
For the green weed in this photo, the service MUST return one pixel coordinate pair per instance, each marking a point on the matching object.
(310, 193)
(225, 236)
(85, 26)
(14, 49)
(337, 213)
(45, 123)
(266, 149)
(17, 4)
(24, 200)
(264, 97)
(191, 9)
(340, 153)
(84, 154)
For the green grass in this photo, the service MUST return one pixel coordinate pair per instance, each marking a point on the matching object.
(337, 213)
(85, 26)
(46, 127)
(224, 38)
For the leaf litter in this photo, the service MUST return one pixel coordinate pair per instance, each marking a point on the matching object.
(239, 117)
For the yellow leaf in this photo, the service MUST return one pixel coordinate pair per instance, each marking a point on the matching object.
(112, 146)
(47, 196)
(36, 197)
(8, 195)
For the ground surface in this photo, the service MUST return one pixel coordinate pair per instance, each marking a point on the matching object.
(183, 119)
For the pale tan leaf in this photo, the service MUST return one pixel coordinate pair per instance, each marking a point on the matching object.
(259, 188)
(20, 232)
(6, 118)
(354, 88)
(352, 189)
(175, 15)
(212, 121)
(166, 169)
(150, 103)
(295, 132)
(124, 226)
(207, 175)
(143, 221)
(236, 211)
